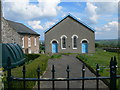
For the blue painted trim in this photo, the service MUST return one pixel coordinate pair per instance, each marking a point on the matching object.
(73, 18)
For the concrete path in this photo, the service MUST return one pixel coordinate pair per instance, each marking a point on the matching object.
(75, 72)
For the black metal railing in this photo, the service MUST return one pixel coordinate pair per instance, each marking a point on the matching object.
(113, 77)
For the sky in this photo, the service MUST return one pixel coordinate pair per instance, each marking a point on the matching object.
(40, 15)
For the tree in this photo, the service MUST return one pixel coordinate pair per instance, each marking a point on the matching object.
(97, 45)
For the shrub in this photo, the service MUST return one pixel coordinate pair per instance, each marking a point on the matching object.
(97, 45)
(31, 57)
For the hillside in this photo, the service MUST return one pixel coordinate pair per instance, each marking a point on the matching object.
(108, 43)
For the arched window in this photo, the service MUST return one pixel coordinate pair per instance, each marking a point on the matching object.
(74, 41)
(63, 42)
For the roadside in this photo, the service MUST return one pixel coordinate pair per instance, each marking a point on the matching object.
(75, 72)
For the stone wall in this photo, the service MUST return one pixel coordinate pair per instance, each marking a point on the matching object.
(9, 35)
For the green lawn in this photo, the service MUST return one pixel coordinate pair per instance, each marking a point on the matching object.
(31, 68)
(99, 57)
(56, 56)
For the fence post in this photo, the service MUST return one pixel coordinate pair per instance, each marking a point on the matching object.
(97, 75)
(53, 76)
(38, 74)
(9, 73)
(83, 75)
(24, 72)
(68, 70)
(113, 73)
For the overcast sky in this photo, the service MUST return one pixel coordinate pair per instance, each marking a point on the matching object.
(39, 15)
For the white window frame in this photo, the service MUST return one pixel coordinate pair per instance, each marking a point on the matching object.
(84, 40)
(29, 42)
(30, 51)
(61, 41)
(54, 40)
(23, 42)
(35, 41)
(73, 41)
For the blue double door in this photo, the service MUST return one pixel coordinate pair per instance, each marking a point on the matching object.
(84, 47)
(54, 47)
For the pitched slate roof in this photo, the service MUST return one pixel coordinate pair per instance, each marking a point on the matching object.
(21, 28)
(69, 15)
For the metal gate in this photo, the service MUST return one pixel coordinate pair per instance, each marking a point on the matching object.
(113, 77)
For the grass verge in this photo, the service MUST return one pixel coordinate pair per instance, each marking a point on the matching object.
(102, 58)
(68, 53)
(99, 57)
(31, 68)
(56, 56)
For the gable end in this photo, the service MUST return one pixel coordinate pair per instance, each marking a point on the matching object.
(74, 18)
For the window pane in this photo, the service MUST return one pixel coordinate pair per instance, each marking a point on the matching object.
(64, 42)
(29, 42)
(35, 41)
(75, 42)
(22, 42)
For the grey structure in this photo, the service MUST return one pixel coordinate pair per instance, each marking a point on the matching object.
(69, 27)
(13, 32)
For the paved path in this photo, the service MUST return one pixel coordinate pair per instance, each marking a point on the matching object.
(75, 68)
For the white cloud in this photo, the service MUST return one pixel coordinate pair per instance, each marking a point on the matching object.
(107, 31)
(91, 11)
(22, 10)
(107, 7)
(110, 26)
(64, 14)
(35, 25)
(48, 24)
(95, 10)
(98, 33)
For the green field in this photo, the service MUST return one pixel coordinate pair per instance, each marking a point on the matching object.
(107, 43)
(31, 68)
(99, 57)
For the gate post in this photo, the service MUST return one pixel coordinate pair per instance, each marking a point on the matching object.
(9, 73)
(113, 74)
